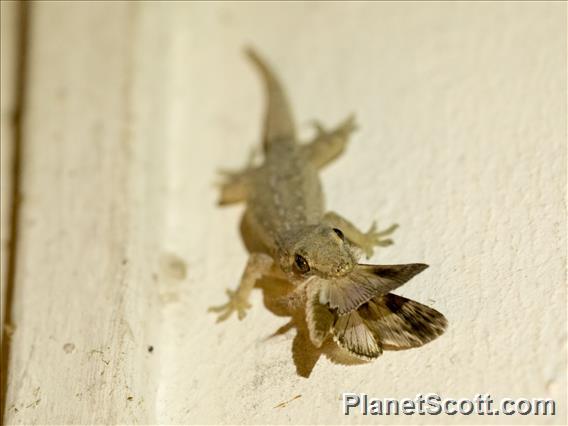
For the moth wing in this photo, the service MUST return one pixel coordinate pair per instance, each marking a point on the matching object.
(352, 334)
(318, 318)
(364, 283)
(401, 323)
(348, 293)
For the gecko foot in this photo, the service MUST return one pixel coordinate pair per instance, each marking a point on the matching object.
(344, 129)
(235, 303)
(375, 238)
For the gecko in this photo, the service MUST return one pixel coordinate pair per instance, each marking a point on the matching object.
(317, 250)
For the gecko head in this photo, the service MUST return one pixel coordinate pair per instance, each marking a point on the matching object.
(317, 250)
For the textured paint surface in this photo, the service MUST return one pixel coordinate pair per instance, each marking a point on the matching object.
(85, 296)
(133, 107)
(462, 112)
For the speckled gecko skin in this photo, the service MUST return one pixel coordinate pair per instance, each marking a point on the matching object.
(315, 249)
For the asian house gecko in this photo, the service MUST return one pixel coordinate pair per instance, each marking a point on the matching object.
(315, 250)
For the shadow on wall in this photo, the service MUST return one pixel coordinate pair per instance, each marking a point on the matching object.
(276, 297)
(305, 354)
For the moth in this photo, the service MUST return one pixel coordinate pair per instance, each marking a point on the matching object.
(364, 317)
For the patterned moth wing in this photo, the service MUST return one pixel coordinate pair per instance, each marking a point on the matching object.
(388, 322)
(365, 282)
(318, 317)
(401, 323)
(352, 334)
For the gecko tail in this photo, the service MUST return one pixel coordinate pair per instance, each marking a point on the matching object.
(279, 122)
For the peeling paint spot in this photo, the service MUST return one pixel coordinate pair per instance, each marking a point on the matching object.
(173, 267)
(68, 348)
(172, 271)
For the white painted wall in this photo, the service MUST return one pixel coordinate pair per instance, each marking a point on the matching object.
(85, 306)
(462, 108)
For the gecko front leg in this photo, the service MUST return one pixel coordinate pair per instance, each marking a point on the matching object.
(364, 240)
(259, 264)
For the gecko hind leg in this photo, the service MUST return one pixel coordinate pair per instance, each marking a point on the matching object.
(329, 144)
(259, 264)
(234, 184)
(366, 241)
(234, 189)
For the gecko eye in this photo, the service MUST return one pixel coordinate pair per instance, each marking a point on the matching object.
(339, 233)
(301, 264)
